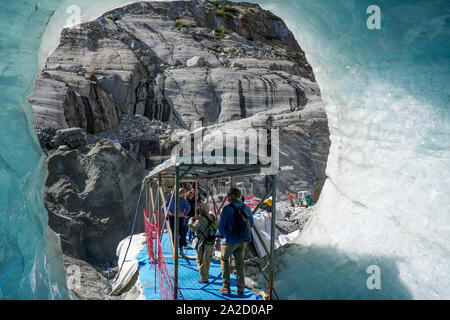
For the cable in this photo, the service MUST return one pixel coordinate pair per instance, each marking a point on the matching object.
(132, 232)
(109, 268)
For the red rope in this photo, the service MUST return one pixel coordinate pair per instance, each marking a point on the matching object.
(151, 233)
(157, 259)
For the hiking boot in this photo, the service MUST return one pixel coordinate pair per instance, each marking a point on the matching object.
(239, 293)
(224, 290)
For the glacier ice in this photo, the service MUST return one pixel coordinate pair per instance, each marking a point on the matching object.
(386, 200)
(30, 254)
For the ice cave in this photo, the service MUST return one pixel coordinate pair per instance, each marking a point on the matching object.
(383, 70)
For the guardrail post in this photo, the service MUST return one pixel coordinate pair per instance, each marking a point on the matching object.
(176, 231)
(272, 232)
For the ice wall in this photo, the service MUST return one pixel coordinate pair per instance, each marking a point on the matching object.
(386, 202)
(30, 256)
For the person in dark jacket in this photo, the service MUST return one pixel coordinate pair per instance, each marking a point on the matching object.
(233, 244)
(184, 208)
(191, 199)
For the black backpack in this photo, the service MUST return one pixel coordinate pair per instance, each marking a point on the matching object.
(241, 224)
(208, 238)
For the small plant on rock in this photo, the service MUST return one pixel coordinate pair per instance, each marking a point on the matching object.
(180, 25)
(274, 17)
(111, 17)
(221, 32)
(227, 11)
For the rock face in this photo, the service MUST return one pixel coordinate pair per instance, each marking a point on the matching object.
(91, 284)
(303, 145)
(183, 61)
(91, 196)
(148, 141)
(175, 62)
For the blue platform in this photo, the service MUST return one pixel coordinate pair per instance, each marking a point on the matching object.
(188, 276)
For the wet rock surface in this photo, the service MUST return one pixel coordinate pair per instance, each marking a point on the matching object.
(91, 195)
(85, 282)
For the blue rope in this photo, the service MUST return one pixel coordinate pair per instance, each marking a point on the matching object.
(109, 268)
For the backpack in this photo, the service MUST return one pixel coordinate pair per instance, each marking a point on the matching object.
(208, 237)
(241, 224)
(212, 225)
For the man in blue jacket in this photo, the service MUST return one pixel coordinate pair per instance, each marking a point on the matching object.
(234, 239)
(183, 211)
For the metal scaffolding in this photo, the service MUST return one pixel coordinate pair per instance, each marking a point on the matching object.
(182, 168)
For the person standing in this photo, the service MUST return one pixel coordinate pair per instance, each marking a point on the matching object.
(235, 224)
(191, 199)
(203, 225)
(184, 208)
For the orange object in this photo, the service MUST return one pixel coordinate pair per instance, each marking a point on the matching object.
(79, 140)
(290, 195)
